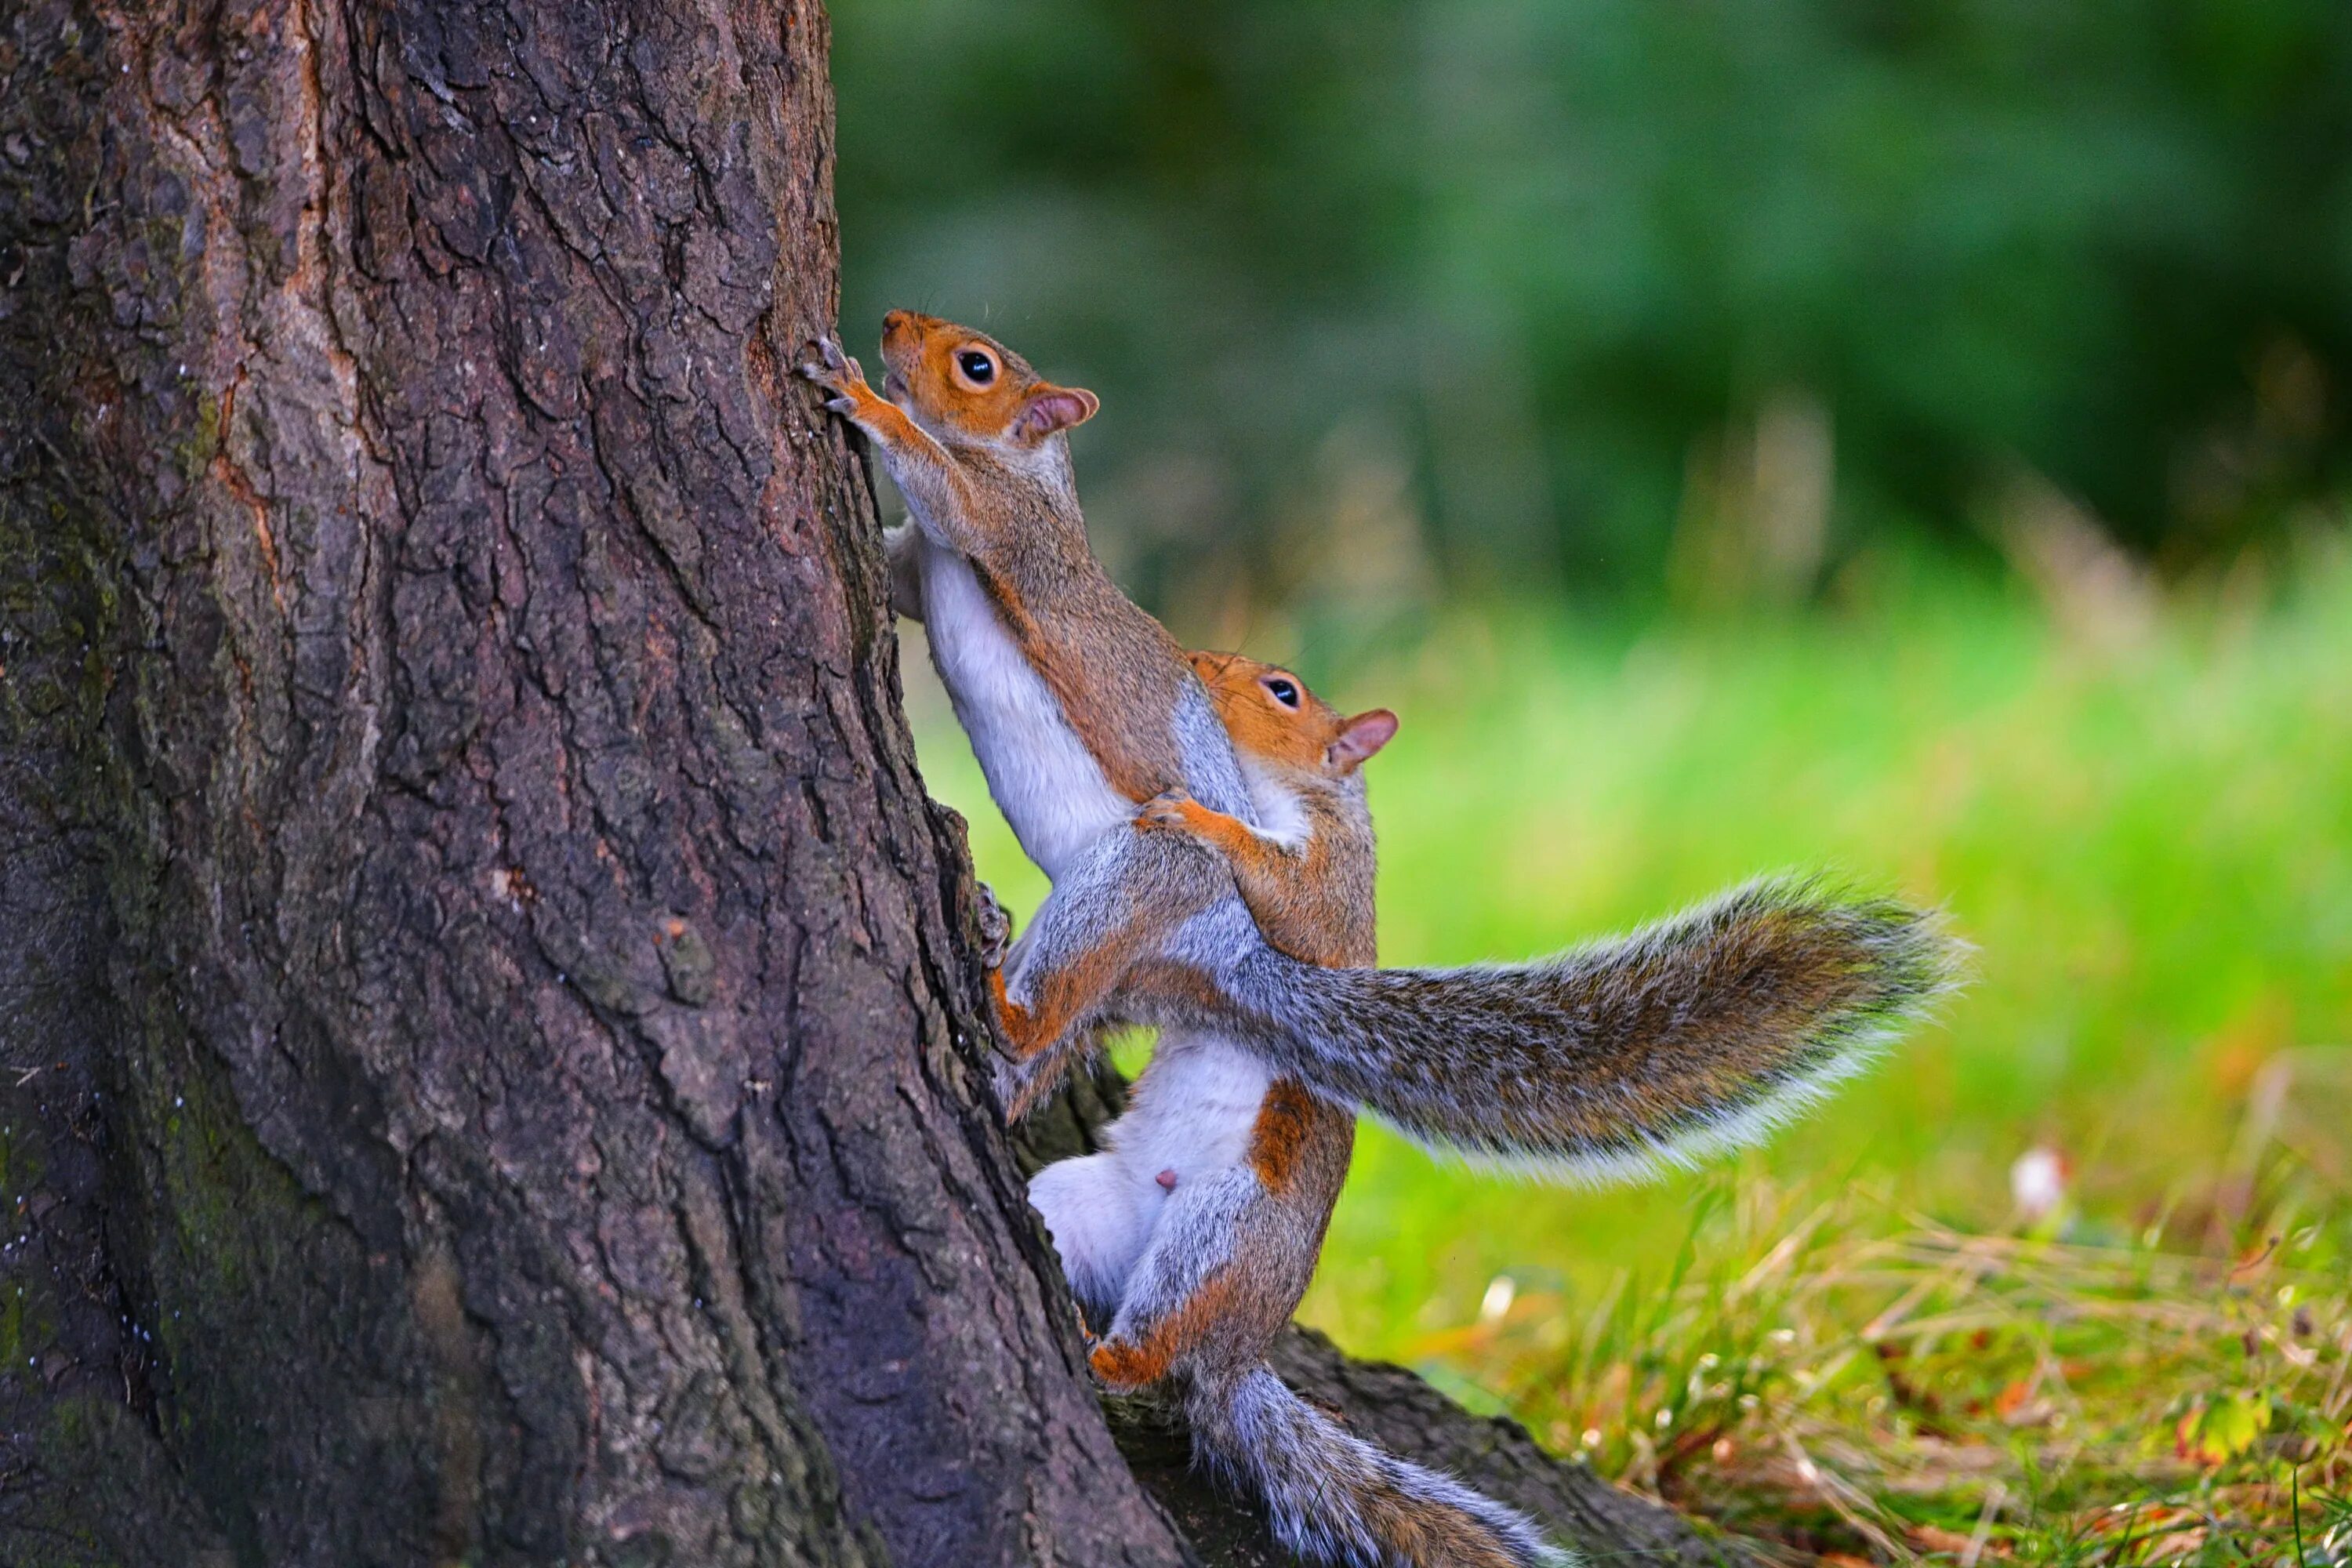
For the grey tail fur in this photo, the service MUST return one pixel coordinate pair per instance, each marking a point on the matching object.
(1699, 1033)
(1334, 1498)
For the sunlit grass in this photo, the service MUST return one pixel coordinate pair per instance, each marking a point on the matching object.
(2149, 838)
(1819, 1368)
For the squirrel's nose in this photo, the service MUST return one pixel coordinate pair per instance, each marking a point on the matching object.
(895, 319)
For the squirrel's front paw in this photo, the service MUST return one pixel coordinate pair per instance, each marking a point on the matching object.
(838, 373)
(1165, 809)
(995, 928)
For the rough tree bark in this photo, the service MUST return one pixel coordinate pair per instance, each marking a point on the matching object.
(487, 1014)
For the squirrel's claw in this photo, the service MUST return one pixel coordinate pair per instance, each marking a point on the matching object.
(995, 928)
(1016, 1087)
(837, 371)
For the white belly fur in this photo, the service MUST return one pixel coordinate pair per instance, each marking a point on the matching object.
(1193, 1109)
(1048, 784)
(1190, 1118)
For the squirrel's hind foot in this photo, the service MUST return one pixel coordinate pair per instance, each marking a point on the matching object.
(1124, 1365)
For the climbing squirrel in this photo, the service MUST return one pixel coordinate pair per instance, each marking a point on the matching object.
(1699, 1033)
(1079, 705)
(1192, 1236)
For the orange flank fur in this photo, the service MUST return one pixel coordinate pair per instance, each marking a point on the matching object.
(1291, 889)
(1278, 1138)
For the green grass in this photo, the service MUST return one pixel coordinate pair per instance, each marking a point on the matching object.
(2149, 838)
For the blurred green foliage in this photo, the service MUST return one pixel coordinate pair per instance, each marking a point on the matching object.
(1399, 297)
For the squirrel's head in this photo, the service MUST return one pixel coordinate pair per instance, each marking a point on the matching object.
(1273, 717)
(969, 390)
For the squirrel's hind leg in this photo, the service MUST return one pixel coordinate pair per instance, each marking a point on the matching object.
(1188, 1286)
(1121, 902)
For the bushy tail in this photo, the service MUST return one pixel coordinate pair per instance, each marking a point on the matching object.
(1699, 1033)
(1334, 1498)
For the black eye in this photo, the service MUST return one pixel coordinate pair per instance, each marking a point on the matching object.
(977, 366)
(1284, 692)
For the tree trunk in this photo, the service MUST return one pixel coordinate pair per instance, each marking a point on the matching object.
(490, 1027)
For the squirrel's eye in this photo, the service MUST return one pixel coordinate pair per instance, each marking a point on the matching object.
(1284, 692)
(976, 366)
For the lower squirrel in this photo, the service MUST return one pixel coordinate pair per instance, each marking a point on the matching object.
(1194, 1234)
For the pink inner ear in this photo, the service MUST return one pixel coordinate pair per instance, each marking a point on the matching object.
(1056, 408)
(1366, 733)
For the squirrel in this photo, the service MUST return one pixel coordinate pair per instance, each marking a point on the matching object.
(1305, 874)
(1079, 705)
(1194, 1233)
(1696, 1034)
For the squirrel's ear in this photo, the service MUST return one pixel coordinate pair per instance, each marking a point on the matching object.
(1360, 738)
(1052, 408)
